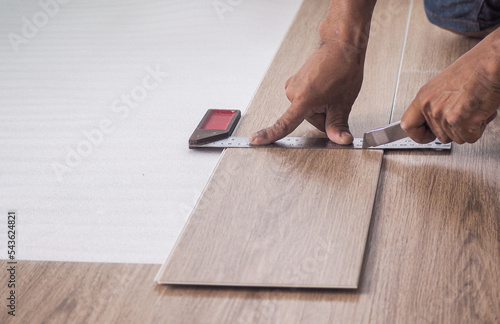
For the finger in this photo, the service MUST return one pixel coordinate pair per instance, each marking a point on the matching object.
(318, 121)
(287, 82)
(454, 134)
(433, 122)
(474, 132)
(415, 125)
(439, 131)
(281, 128)
(492, 117)
(337, 127)
(469, 133)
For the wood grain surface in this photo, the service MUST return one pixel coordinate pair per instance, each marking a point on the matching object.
(443, 208)
(292, 218)
(433, 252)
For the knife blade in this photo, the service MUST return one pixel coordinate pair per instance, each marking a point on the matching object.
(384, 135)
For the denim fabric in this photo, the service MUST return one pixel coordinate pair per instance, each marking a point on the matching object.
(463, 15)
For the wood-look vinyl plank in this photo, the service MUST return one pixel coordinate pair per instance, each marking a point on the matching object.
(292, 218)
(444, 208)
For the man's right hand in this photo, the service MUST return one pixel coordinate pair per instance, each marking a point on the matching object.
(321, 92)
(326, 86)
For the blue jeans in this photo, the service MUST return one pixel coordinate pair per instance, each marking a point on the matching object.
(464, 16)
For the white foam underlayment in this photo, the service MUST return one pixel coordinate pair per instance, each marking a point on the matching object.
(66, 70)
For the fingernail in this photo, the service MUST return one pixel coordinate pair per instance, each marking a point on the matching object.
(253, 137)
(345, 134)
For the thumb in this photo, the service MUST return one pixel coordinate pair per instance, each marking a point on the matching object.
(337, 127)
(414, 124)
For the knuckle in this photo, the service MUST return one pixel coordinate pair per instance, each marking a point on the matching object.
(454, 120)
(442, 136)
(435, 114)
(422, 92)
(262, 133)
(444, 139)
(471, 132)
(279, 127)
(338, 121)
(472, 136)
(472, 104)
(422, 98)
(289, 93)
(300, 96)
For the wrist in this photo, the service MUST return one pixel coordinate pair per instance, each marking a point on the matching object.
(495, 42)
(491, 61)
(347, 21)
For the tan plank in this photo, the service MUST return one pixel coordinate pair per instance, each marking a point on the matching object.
(292, 218)
(58, 292)
(444, 208)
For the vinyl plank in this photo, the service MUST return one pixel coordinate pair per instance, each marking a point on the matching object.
(444, 208)
(292, 218)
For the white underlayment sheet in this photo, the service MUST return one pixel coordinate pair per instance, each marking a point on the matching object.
(97, 101)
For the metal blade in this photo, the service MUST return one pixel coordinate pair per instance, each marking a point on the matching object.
(321, 143)
(384, 135)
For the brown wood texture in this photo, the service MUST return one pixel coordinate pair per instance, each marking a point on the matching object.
(443, 208)
(293, 218)
(432, 257)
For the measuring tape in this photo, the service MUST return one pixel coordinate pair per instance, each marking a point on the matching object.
(217, 125)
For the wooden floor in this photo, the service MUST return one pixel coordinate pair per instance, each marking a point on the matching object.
(433, 252)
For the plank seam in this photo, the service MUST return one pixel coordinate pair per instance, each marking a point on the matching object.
(381, 162)
(400, 62)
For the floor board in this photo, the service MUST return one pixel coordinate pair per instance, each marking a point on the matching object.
(444, 209)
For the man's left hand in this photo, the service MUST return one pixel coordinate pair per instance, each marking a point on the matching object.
(458, 103)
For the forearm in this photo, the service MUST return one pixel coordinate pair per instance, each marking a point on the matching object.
(348, 21)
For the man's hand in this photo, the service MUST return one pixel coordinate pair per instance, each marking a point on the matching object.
(457, 104)
(321, 92)
(325, 88)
